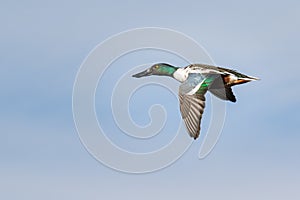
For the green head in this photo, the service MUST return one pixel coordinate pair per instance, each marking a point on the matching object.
(160, 69)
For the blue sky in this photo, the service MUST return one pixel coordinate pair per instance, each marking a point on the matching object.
(43, 46)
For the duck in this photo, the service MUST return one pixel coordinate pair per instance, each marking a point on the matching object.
(196, 80)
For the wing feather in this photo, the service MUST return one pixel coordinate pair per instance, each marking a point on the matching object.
(191, 108)
(192, 100)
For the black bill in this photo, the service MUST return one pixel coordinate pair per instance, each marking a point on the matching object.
(143, 73)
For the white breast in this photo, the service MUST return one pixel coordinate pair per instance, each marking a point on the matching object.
(181, 74)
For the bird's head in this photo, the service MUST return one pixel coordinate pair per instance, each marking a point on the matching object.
(160, 69)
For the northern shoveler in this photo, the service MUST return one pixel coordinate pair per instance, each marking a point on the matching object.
(196, 80)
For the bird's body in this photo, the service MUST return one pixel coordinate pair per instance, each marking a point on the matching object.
(196, 80)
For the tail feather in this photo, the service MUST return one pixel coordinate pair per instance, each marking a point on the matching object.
(242, 80)
(221, 87)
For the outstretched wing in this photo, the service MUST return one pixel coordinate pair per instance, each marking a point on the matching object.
(191, 108)
(192, 101)
(221, 90)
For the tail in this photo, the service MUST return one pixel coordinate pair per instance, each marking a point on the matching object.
(240, 80)
(221, 87)
(232, 77)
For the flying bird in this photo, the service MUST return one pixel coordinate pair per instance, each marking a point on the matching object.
(196, 80)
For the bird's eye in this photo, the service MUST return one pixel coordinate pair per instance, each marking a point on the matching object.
(156, 67)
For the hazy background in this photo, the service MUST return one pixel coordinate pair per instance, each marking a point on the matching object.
(42, 46)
